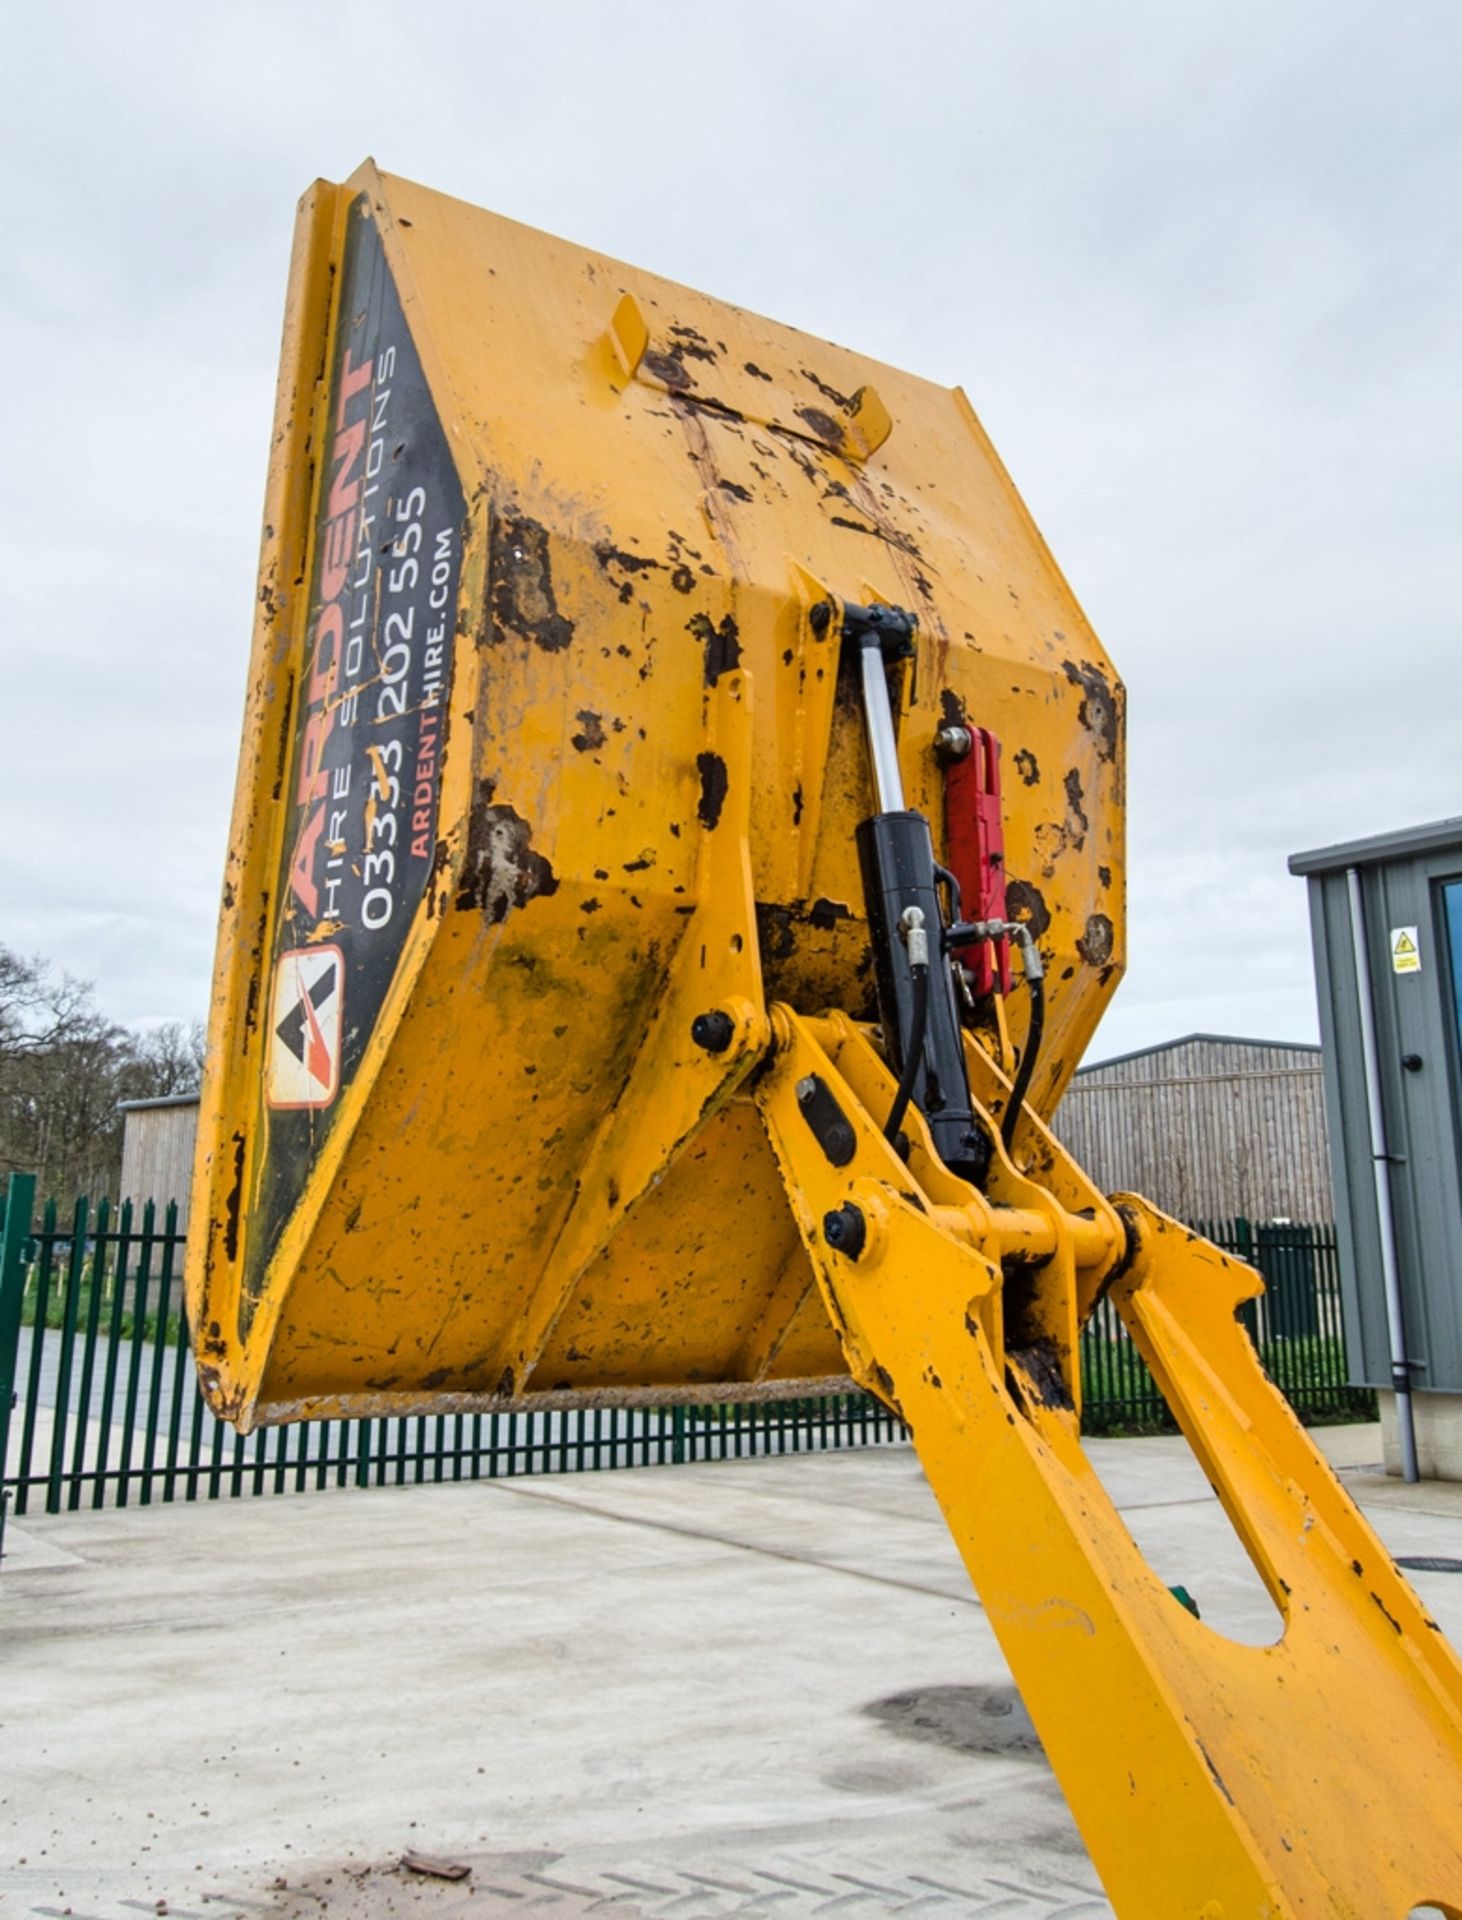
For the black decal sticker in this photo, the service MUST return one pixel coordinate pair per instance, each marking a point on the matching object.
(362, 786)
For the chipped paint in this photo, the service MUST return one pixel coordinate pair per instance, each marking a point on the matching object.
(522, 598)
(1095, 945)
(721, 642)
(501, 870)
(1100, 710)
(714, 782)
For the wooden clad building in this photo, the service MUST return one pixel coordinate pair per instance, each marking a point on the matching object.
(157, 1150)
(1208, 1127)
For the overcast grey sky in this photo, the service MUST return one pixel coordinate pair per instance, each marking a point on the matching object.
(1197, 265)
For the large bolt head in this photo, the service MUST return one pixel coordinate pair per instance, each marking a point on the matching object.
(845, 1230)
(713, 1031)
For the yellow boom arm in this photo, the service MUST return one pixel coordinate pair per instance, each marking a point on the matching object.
(1320, 1775)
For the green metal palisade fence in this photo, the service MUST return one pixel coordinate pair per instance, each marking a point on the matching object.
(95, 1363)
(108, 1409)
(1296, 1326)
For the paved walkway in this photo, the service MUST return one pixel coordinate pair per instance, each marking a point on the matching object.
(760, 1688)
(48, 1367)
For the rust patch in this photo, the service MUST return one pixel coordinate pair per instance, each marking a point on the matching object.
(829, 431)
(1390, 1617)
(591, 734)
(1099, 712)
(1218, 1779)
(521, 588)
(775, 928)
(285, 743)
(842, 401)
(501, 871)
(436, 902)
(707, 403)
(669, 368)
(692, 415)
(615, 560)
(714, 785)
(722, 644)
(1027, 766)
(1076, 807)
(1041, 1365)
(1026, 902)
(611, 556)
(792, 445)
(692, 341)
(812, 955)
(233, 1203)
(1095, 945)
(825, 914)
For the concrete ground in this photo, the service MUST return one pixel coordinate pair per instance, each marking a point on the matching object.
(758, 1688)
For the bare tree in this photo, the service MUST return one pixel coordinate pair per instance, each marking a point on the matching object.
(64, 1067)
(39, 1008)
(163, 1060)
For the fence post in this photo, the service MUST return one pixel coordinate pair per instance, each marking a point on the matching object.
(19, 1203)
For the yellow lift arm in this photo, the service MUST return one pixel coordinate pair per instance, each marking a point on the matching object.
(1319, 1775)
(677, 865)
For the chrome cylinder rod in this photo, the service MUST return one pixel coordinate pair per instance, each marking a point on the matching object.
(883, 749)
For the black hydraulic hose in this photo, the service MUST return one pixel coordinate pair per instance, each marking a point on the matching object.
(913, 1050)
(1028, 1055)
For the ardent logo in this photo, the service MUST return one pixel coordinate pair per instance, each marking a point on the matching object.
(337, 548)
(306, 1022)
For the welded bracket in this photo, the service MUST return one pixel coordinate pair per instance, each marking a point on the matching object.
(1321, 1775)
(677, 1082)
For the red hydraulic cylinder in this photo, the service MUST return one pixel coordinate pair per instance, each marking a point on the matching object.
(975, 843)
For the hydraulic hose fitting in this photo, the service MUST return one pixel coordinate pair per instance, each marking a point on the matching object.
(1032, 965)
(915, 936)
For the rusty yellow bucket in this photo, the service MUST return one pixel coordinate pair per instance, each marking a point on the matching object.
(545, 756)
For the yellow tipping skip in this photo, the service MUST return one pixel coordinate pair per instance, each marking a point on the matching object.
(568, 972)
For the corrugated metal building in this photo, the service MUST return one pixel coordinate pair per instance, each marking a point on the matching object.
(1386, 917)
(1208, 1127)
(157, 1150)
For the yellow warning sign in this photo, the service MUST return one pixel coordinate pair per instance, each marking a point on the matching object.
(1405, 953)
